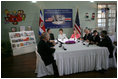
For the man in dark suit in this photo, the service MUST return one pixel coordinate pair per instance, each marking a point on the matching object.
(46, 52)
(95, 39)
(51, 34)
(106, 42)
(87, 36)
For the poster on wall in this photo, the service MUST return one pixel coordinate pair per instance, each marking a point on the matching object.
(22, 28)
(14, 16)
(58, 18)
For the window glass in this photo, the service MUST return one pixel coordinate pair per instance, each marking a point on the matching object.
(99, 16)
(102, 17)
(99, 11)
(112, 6)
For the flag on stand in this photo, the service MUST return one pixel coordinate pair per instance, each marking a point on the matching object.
(41, 24)
(77, 24)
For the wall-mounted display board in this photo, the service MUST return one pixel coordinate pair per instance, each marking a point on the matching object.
(58, 18)
(22, 42)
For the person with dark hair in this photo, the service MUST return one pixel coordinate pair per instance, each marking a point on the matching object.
(51, 41)
(51, 34)
(46, 52)
(61, 35)
(106, 42)
(87, 36)
(95, 39)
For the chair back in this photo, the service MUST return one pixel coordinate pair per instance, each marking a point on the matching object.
(112, 61)
(41, 69)
(114, 51)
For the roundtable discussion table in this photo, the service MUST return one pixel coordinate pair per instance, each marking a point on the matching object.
(80, 58)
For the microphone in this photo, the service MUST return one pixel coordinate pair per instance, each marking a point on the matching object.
(78, 40)
(60, 43)
(83, 42)
(64, 48)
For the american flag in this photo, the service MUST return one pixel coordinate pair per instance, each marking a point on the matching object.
(77, 23)
(41, 24)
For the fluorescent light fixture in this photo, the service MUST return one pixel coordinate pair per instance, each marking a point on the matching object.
(34, 1)
(91, 1)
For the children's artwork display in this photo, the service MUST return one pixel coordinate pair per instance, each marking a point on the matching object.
(93, 16)
(87, 15)
(87, 18)
(14, 16)
(22, 42)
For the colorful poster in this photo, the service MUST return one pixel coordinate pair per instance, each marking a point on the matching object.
(58, 18)
(14, 16)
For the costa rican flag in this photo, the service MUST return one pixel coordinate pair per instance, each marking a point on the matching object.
(41, 24)
(77, 24)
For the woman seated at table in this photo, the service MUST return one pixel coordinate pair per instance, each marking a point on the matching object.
(95, 39)
(61, 35)
(75, 35)
(106, 42)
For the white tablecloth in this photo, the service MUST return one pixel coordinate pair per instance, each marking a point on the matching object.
(80, 58)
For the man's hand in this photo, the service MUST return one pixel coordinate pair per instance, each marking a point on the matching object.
(53, 42)
(52, 47)
(87, 41)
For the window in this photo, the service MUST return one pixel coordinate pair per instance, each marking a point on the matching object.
(107, 17)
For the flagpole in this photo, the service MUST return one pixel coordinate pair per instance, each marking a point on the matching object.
(81, 27)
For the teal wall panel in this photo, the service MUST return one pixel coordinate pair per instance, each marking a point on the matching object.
(32, 11)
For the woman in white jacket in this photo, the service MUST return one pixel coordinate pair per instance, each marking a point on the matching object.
(61, 35)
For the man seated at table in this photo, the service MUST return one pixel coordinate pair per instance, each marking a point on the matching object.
(46, 52)
(87, 36)
(51, 34)
(75, 35)
(106, 42)
(61, 35)
(95, 39)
